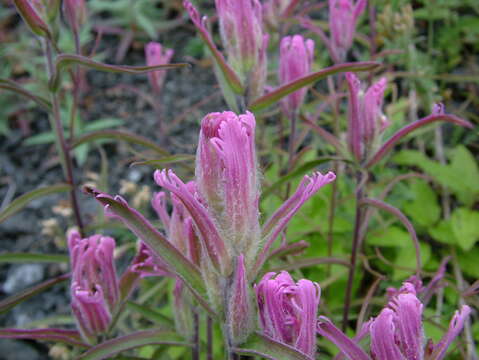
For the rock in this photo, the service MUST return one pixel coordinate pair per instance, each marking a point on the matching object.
(22, 276)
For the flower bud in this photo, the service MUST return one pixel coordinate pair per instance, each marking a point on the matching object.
(227, 178)
(366, 119)
(343, 16)
(94, 286)
(288, 310)
(296, 57)
(240, 314)
(157, 55)
(33, 12)
(75, 13)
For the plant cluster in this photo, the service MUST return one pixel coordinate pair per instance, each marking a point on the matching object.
(278, 242)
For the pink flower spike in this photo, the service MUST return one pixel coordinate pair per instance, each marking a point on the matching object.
(146, 263)
(455, 327)
(354, 117)
(157, 55)
(159, 205)
(343, 16)
(296, 57)
(288, 310)
(383, 344)
(209, 234)
(94, 287)
(279, 220)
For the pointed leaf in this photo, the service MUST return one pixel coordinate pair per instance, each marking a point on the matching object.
(279, 93)
(67, 60)
(12, 301)
(16, 88)
(121, 135)
(261, 345)
(71, 337)
(20, 202)
(21, 258)
(137, 224)
(393, 140)
(108, 349)
(166, 160)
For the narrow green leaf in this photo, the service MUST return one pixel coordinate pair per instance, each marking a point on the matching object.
(16, 88)
(66, 60)
(20, 202)
(71, 337)
(165, 160)
(261, 345)
(12, 301)
(108, 349)
(121, 135)
(150, 314)
(279, 93)
(20, 258)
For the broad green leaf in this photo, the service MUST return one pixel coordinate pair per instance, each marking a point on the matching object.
(16, 88)
(424, 208)
(469, 261)
(19, 258)
(120, 135)
(465, 227)
(261, 345)
(20, 202)
(406, 257)
(465, 166)
(392, 236)
(66, 60)
(12, 301)
(443, 233)
(274, 96)
(108, 349)
(71, 337)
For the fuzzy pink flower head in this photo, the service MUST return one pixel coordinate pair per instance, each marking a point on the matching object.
(343, 16)
(227, 176)
(288, 310)
(366, 119)
(94, 286)
(295, 59)
(241, 28)
(156, 54)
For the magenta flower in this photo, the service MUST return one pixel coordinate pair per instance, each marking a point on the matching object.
(288, 310)
(397, 332)
(295, 59)
(94, 286)
(157, 55)
(343, 16)
(366, 119)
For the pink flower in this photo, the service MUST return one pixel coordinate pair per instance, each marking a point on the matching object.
(94, 286)
(343, 16)
(397, 332)
(157, 55)
(296, 57)
(366, 119)
(288, 310)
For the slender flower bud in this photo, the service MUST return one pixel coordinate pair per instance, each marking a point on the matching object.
(366, 119)
(94, 287)
(288, 310)
(240, 314)
(343, 16)
(241, 31)
(295, 59)
(227, 177)
(157, 55)
(33, 12)
(75, 13)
